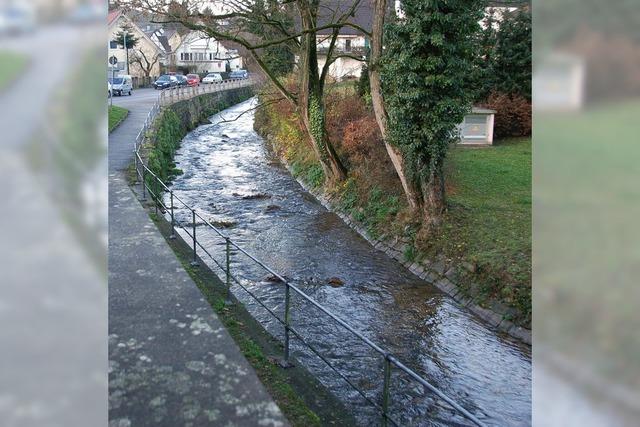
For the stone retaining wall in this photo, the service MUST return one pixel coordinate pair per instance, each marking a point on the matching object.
(194, 112)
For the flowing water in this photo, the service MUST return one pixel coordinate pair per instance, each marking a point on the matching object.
(231, 178)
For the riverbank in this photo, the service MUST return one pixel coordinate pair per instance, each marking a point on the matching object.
(481, 255)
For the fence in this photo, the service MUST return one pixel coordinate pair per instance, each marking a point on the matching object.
(155, 190)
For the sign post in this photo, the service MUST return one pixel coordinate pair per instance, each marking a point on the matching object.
(113, 60)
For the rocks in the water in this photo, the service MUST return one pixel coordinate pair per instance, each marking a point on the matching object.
(335, 282)
(224, 135)
(222, 223)
(272, 208)
(252, 196)
(272, 279)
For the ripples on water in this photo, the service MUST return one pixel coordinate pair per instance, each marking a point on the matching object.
(232, 179)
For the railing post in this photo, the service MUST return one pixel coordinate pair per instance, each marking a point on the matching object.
(156, 193)
(173, 223)
(287, 323)
(385, 390)
(144, 186)
(194, 262)
(228, 271)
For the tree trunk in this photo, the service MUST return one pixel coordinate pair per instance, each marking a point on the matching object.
(411, 191)
(433, 198)
(311, 103)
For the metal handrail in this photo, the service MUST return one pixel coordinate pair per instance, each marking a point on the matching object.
(390, 361)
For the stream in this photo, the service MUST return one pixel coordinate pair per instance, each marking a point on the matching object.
(232, 179)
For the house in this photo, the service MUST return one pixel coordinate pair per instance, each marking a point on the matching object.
(165, 35)
(144, 59)
(199, 53)
(168, 39)
(352, 46)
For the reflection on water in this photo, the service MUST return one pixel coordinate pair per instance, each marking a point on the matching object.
(231, 178)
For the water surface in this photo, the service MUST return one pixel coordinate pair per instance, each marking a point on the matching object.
(232, 179)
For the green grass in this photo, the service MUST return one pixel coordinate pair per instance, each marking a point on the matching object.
(116, 116)
(11, 65)
(586, 237)
(488, 221)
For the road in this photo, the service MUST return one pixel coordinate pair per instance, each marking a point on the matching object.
(139, 97)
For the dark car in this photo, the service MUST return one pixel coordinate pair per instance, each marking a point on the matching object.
(239, 74)
(182, 80)
(165, 81)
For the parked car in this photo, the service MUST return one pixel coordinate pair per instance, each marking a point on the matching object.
(17, 19)
(212, 78)
(239, 74)
(165, 81)
(182, 80)
(121, 85)
(193, 80)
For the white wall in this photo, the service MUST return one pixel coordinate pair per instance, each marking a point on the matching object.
(342, 68)
(205, 54)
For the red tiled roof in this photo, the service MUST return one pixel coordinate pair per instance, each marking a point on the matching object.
(113, 15)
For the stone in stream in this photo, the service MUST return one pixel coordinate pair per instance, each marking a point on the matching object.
(272, 279)
(253, 196)
(222, 223)
(272, 208)
(335, 282)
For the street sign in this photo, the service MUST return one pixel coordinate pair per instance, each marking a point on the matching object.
(113, 60)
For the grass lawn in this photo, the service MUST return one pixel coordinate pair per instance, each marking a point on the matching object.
(116, 116)
(488, 222)
(587, 256)
(11, 65)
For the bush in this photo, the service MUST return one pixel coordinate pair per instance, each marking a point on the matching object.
(358, 137)
(513, 115)
(362, 84)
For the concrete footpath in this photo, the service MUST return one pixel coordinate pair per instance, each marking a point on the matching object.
(171, 361)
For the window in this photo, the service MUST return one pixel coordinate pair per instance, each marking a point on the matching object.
(113, 45)
(347, 45)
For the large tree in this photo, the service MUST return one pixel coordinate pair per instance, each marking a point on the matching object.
(510, 63)
(145, 61)
(234, 21)
(419, 89)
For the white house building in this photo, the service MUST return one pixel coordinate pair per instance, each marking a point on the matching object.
(200, 53)
(351, 46)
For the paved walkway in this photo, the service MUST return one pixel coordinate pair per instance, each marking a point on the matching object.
(171, 361)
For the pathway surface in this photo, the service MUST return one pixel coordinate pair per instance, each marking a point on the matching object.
(171, 361)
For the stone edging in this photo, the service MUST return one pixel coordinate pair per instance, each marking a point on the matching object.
(436, 273)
